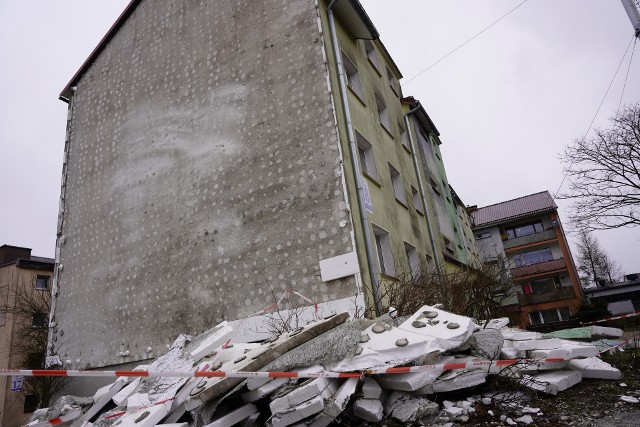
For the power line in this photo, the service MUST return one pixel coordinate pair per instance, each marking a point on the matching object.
(463, 44)
(627, 76)
(600, 106)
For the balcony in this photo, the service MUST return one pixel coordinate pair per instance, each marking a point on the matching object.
(557, 295)
(539, 268)
(529, 239)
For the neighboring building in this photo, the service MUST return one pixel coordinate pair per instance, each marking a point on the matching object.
(527, 233)
(24, 281)
(621, 297)
(219, 153)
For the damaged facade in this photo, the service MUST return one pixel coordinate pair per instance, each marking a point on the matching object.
(219, 154)
(340, 372)
(527, 235)
(25, 282)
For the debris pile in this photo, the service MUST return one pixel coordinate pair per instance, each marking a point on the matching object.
(334, 369)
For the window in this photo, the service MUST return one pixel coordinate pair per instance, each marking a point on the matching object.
(403, 136)
(549, 284)
(434, 186)
(383, 114)
(31, 402)
(371, 53)
(353, 78)
(549, 316)
(39, 320)
(523, 230)
(398, 188)
(367, 161)
(448, 246)
(417, 201)
(533, 257)
(393, 83)
(42, 282)
(412, 259)
(383, 248)
(481, 236)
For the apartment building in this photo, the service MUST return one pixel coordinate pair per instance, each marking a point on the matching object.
(527, 234)
(220, 154)
(25, 284)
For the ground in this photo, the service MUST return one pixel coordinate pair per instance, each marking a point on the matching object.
(589, 403)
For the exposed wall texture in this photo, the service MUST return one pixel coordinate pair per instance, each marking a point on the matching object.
(203, 177)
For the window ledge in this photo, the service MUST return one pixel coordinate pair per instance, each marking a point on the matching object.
(394, 90)
(419, 211)
(357, 95)
(407, 149)
(388, 277)
(375, 67)
(402, 203)
(372, 179)
(386, 130)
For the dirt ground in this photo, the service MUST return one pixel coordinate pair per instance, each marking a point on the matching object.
(589, 403)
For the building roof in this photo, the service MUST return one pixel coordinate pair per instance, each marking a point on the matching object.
(513, 209)
(351, 11)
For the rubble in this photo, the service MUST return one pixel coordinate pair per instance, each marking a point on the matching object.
(399, 365)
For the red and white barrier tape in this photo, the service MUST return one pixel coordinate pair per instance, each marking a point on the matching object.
(277, 304)
(624, 316)
(275, 374)
(615, 346)
(69, 416)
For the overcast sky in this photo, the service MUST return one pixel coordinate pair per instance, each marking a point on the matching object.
(505, 104)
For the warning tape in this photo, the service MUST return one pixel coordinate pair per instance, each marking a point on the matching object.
(69, 416)
(624, 316)
(615, 346)
(275, 374)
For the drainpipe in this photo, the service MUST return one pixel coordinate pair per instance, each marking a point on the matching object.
(355, 162)
(423, 197)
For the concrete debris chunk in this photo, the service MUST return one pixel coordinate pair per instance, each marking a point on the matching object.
(552, 382)
(448, 353)
(405, 407)
(368, 409)
(593, 367)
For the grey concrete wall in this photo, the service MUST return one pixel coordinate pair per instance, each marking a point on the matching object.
(202, 177)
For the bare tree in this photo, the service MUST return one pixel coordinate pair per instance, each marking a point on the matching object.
(472, 292)
(30, 309)
(594, 265)
(604, 174)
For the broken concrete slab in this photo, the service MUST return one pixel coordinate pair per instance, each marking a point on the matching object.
(258, 358)
(486, 343)
(370, 389)
(519, 335)
(426, 331)
(586, 332)
(594, 367)
(145, 417)
(209, 341)
(538, 344)
(368, 409)
(414, 380)
(405, 407)
(300, 412)
(456, 380)
(234, 416)
(552, 382)
(305, 391)
(265, 390)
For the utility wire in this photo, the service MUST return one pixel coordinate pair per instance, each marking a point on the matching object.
(628, 68)
(600, 106)
(463, 44)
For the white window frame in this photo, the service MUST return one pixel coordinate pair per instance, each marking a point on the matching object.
(47, 282)
(367, 159)
(413, 260)
(383, 250)
(370, 50)
(398, 186)
(417, 200)
(383, 113)
(353, 76)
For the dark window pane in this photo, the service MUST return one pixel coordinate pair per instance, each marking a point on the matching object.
(538, 227)
(31, 403)
(549, 316)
